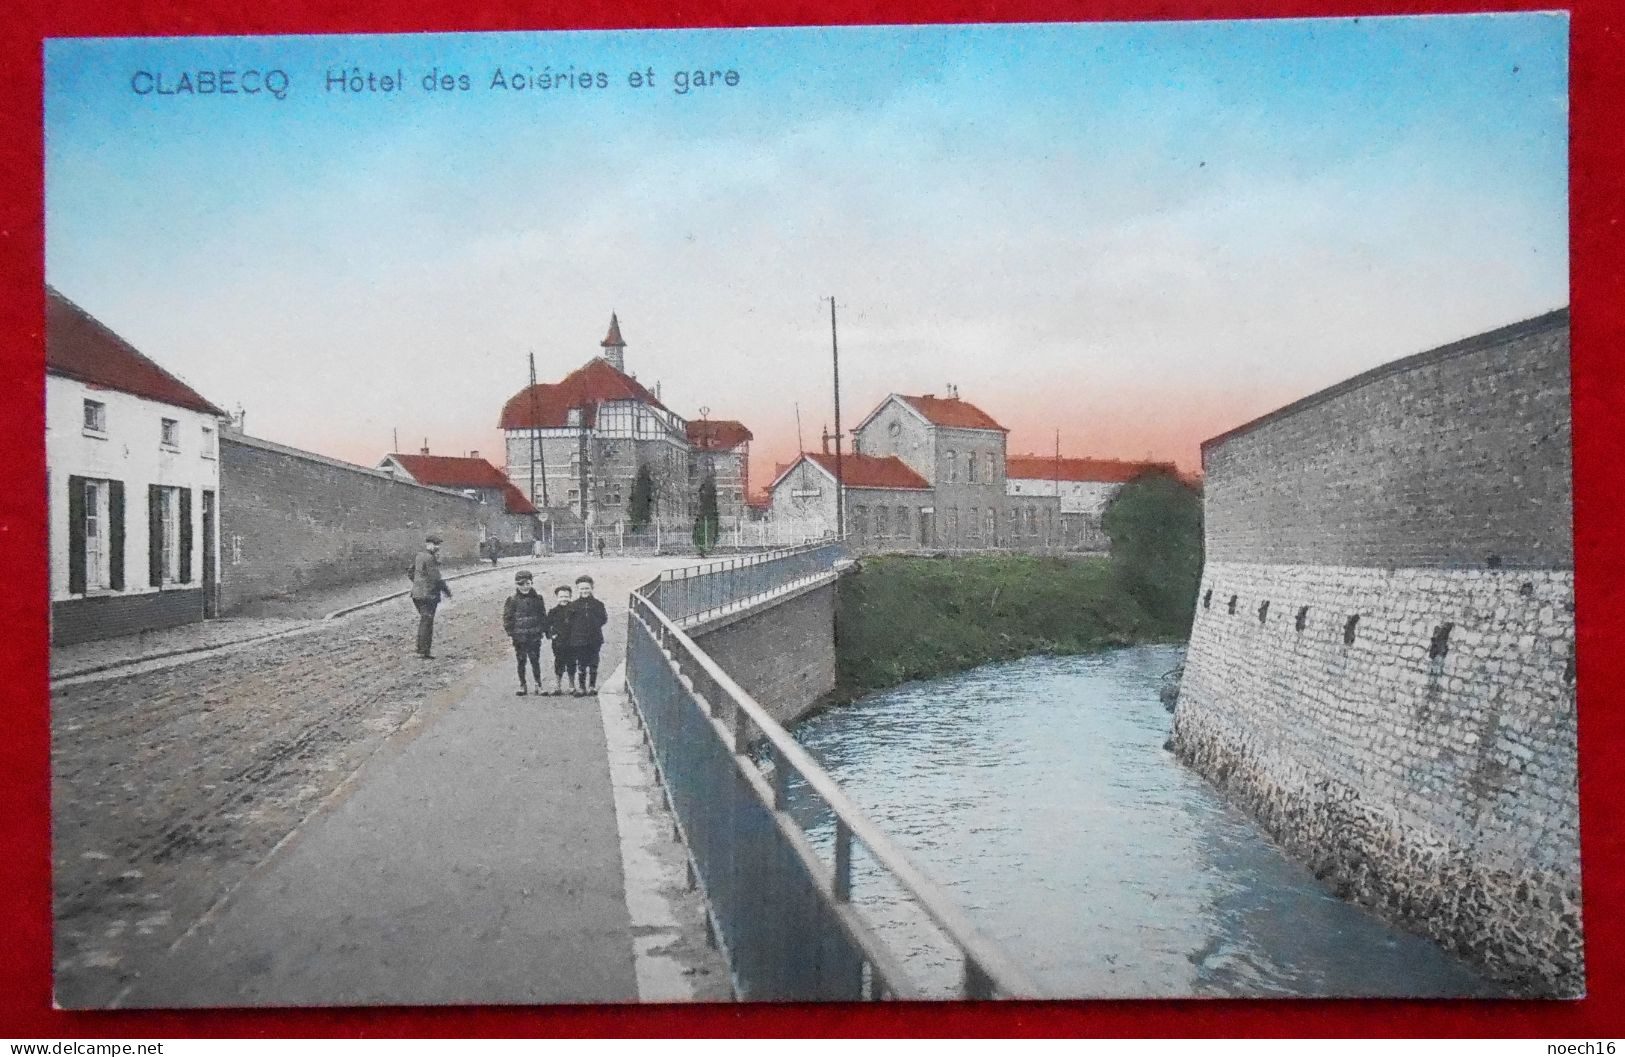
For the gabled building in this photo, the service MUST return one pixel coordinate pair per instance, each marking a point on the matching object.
(1059, 501)
(585, 436)
(583, 439)
(132, 461)
(721, 448)
(887, 501)
(958, 448)
(505, 514)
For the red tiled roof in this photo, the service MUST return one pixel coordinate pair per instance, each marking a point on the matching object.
(952, 412)
(586, 387)
(516, 501)
(1107, 471)
(459, 471)
(717, 434)
(872, 471)
(451, 471)
(78, 346)
(613, 338)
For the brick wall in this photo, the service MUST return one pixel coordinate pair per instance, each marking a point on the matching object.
(1443, 459)
(1397, 709)
(105, 616)
(291, 520)
(782, 653)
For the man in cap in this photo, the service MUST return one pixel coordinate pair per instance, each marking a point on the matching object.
(427, 587)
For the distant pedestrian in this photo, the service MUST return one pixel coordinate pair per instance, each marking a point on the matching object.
(428, 586)
(600, 546)
(558, 629)
(524, 618)
(587, 635)
(489, 549)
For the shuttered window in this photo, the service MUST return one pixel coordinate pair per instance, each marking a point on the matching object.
(95, 535)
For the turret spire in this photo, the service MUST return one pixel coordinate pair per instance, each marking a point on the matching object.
(614, 346)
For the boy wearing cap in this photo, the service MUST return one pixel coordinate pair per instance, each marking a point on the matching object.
(427, 588)
(558, 629)
(524, 618)
(587, 635)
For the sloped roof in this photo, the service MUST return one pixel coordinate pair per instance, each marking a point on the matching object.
(79, 346)
(952, 412)
(515, 500)
(451, 471)
(1105, 471)
(717, 434)
(461, 471)
(613, 338)
(870, 471)
(589, 385)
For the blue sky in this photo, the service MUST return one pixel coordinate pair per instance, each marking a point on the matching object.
(1136, 234)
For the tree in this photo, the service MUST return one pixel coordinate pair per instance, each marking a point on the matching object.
(1154, 523)
(708, 523)
(640, 504)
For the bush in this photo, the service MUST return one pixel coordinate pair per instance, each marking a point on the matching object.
(1155, 527)
(708, 525)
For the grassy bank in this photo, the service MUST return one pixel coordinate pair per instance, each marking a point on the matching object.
(904, 618)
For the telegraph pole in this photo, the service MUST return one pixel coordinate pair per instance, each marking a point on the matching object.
(535, 441)
(840, 478)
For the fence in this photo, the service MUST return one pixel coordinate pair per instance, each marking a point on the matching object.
(701, 590)
(784, 916)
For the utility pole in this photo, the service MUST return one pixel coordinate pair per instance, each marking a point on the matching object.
(395, 439)
(1056, 527)
(840, 478)
(536, 454)
(800, 447)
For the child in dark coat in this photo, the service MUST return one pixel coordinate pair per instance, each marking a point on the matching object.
(587, 635)
(558, 629)
(524, 618)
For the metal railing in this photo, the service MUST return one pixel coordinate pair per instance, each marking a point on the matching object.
(783, 915)
(702, 590)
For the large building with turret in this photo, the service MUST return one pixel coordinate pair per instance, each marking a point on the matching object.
(575, 448)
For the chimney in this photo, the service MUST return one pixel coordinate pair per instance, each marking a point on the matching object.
(473, 454)
(826, 439)
(425, 449)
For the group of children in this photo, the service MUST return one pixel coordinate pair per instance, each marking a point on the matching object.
(575, 624)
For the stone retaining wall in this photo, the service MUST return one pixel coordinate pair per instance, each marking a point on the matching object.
(1382, 663)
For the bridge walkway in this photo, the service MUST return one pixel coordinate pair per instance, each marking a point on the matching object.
(478, 860)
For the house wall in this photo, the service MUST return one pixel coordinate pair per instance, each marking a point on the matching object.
(962, 505)
(129, 452)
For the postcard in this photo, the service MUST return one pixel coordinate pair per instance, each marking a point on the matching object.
(982, 512)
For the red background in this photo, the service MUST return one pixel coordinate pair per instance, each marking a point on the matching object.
(1597, 263)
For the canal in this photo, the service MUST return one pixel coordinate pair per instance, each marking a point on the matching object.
(1039, 794)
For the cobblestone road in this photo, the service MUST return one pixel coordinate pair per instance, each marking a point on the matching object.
(170, 786)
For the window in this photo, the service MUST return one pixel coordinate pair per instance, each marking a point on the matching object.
(952, 462)
(97, 552)
(902, 521)
(882, 522)
(973, 524)
(992, 525)
(95, 416)
(992, 467)
(953, 524)
(1015, 522)
(860, 520)
(207, 444)
(970, 467)
(169, 433)
(169, 535)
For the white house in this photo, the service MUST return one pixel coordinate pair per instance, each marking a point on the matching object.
(132, 462)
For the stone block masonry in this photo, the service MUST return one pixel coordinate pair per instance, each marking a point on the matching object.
(291, 520)
(782, 652)
(1382, 663)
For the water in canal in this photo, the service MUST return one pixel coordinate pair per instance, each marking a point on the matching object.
(1039, 794)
